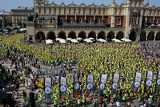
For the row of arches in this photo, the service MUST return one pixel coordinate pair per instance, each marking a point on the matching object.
(51, 35)
(150, 37)
(132, 36)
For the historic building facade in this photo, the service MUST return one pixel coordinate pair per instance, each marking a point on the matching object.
(20, 15)
(133, 20)
(5, 18)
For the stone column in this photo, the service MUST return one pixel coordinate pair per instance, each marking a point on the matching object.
(146, 36)
(3, 21)
(155, 36)
(127, 21)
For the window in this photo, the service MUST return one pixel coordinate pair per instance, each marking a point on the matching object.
(40, 20)
(44, 10)
(88, 20)
(105, 20)
(49, 10)
(80, 20)
(98, 20)
(50, 20)
(61, 20)
(118, 20)
(71, 20)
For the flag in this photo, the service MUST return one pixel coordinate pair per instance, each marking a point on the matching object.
(103, 81)
(76, 88)
(116, 77)
(149, 78)
(137, 80)
(158, 81)
(62, 86)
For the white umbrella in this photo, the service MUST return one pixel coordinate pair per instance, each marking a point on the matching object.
(62, 42)
(114, 39)
(69, 38)
(152, 25)
(79, 38)
(23, 29)
(126, 40)
(118, 41)
(49, 41)
(91, 38)
(101, 40)
(88, 40)
(57, 39)
(158, 25)
(74, 41)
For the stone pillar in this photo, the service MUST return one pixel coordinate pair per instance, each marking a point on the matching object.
(146, 36)
(112, 21)
(141, 18)
(155, 36)
(113, 14)
(127, 21)
(96, 36)
(3, 21)
(30, 30)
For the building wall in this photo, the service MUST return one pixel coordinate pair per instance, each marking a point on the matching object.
(128, 17)
(20, 15)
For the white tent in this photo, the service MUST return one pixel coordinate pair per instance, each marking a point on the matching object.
(91, 38)
(88, 40)
(74, 41)
(101, 40)
(158, 25)
(49, 41)
(61, 40)
(152, 25)
(23, 29)
(116, 40)
(58, 39)
(79, 38)
(126, 40)
(69, 38)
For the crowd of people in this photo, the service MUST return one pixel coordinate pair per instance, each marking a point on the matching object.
(94, 59)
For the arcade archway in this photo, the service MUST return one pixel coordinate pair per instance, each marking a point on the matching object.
(133, 36)
(143, 36)
(110, 36)
(51, 35)
(72, 35)
(150, 36)
(40, 36)
(120, 35)
(82, 34)
(101, 35)
(158, 36)
(92, 34)
(62, 35)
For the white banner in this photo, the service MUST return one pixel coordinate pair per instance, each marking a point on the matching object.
(150, 75)
(158, 80)
(48, 82)
(63, 81)
(103, 78)
(75, 77)
(115, 78)
(138, 77)
(158, 74)
(90, 79)
(149, 78)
